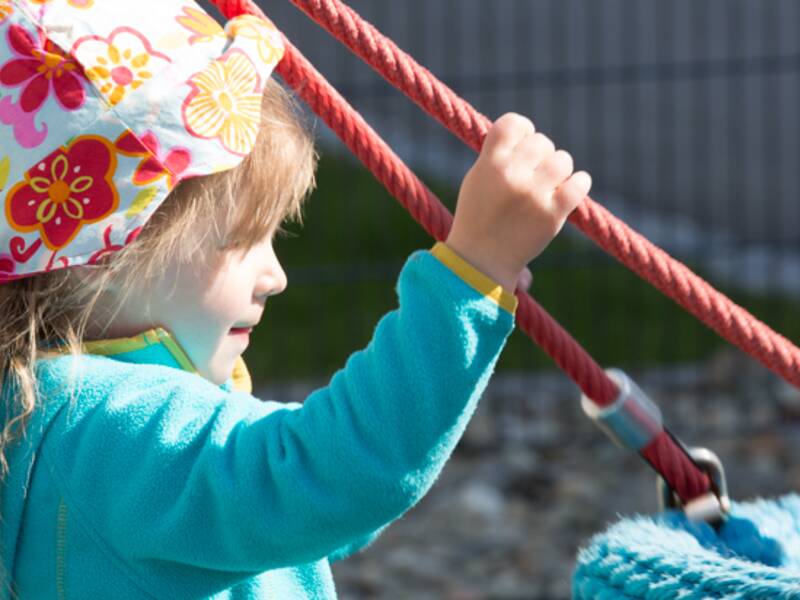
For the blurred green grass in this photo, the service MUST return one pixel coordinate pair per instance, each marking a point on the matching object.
(343, 264)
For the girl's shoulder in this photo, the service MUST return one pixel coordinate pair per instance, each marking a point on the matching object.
(92, 371)
(134, 392)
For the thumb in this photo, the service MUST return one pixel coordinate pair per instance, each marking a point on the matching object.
(525, 280)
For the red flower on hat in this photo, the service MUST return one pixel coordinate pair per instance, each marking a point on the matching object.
(71, 187)
(40, 64)
(155, 163)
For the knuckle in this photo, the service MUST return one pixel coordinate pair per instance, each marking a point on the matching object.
(507, 181)
(506, 117)
(506, 122)
(545, 142)
(565, 194)
(519, 188)
(565, 160)
(557, 165)
(518, 118)
(494, 161)
(514, 120)
(570, 194)
(511, 181)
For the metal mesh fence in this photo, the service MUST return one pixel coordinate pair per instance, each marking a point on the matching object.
(686, 114)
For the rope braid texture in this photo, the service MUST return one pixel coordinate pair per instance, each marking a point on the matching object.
(670, 276)
(666, 457)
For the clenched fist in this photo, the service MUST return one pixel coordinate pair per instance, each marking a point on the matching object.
(514, 200)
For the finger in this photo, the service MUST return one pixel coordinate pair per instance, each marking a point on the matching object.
(554, 169)
(525, 280)
(572, 192)
(531, 151)
(505, 134)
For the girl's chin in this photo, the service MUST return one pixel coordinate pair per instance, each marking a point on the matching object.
(220, 373)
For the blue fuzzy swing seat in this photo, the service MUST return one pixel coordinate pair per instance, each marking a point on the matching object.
(754, 554)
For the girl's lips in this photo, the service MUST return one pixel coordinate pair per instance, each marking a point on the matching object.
(241, 330)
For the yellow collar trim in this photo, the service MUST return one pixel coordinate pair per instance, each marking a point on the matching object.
(157, 335)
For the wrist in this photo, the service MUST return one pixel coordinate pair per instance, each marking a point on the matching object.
(484, 262)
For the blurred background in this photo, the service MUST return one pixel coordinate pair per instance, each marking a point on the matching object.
(687, 115)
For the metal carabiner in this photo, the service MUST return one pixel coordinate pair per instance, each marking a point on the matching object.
(712, 507)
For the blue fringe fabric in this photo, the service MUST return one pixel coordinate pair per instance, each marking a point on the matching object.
(755, 554)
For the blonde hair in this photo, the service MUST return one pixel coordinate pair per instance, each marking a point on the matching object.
(208, 215)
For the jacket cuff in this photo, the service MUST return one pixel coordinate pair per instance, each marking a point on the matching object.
(475, 278)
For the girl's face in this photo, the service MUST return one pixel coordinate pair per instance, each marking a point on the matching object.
(203, 305)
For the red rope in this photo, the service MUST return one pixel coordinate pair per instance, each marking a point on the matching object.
(671, 461)
(670, 276)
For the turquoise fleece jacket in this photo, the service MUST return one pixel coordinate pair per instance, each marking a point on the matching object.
(155, 483)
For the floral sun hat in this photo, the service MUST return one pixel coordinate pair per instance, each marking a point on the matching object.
(104, 110)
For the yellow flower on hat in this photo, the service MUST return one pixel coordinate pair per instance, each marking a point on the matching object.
(5, 9)
(201, 24)
(262, 31)
(225, 103)
(120, 63)
(74, 3)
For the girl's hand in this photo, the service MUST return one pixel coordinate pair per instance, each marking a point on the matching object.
(514, 200)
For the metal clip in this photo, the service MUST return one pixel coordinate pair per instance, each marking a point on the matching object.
(712, 507)
(633, 420)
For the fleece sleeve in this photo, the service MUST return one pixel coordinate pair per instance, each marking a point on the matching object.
(164, 467)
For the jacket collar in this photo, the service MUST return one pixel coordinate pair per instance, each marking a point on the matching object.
(157, 346)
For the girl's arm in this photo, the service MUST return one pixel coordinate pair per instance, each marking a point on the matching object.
(164, 467)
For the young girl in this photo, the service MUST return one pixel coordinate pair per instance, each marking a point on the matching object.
(136, 462)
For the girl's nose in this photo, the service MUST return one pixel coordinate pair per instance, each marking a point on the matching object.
(281, 281)
(271, 282)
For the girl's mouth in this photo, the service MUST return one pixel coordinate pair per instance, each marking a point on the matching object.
(241, 330)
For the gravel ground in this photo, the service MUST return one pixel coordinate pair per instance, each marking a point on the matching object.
(532, 479)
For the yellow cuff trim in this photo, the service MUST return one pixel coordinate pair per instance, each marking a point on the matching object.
(475, 278)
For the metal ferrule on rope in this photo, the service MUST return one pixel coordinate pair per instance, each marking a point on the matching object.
(632, 420)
